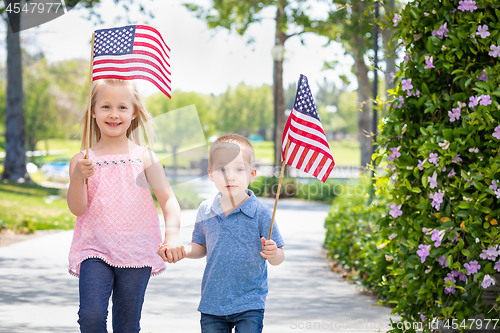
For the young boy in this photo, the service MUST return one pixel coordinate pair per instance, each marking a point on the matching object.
(232, 231)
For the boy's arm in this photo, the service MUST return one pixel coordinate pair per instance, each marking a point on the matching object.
(169, 206)
(195, 250)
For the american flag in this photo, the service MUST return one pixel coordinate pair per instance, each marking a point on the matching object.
(132, 52)
(309, 150)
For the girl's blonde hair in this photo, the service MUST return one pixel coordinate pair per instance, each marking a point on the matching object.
(144, 134)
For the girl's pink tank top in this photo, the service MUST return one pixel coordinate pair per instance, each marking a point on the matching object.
(121, 224)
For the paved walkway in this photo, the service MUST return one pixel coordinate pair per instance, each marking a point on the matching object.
(38, 295)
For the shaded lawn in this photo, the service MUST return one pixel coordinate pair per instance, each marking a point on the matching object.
(22, 204)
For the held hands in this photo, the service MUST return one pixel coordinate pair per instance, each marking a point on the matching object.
(172, 250)
(84, 169)
(269, 248)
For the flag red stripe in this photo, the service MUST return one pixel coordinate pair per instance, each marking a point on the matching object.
(154, 56)
(149, 46)
(133, 69)
(308, 134)
(308, 146)
(320, 166)
(145, 27)
(156, 41)
(311, 161)
(120, 77)
(128, 61)
(306, 123)
(327, 173)
(292, 156)
(301, 158)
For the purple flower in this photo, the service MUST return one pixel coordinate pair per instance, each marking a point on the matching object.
(407, 56)
(491, 253)
(450, 277)
(441, 32)
(393, 76)
(392, 236)
(452, 174)
(396, 211)
(497, 193)
(407, 84)
(454, 114)
(442, 261)
(496, 134)
(449, 290)
(473, 101)
(423, 252)
(396, 19)
(401, 100)
(482, 31)
(433, 158)
(483, 76)
(458, 158)
(467, 5)
(472, 267)
(429, 63)
(461, 276)
(437, 236)
(488, 281)
(494, 185)
(437, 199)
(474, 150)
(421, 163)
(495, 51)
(433, 180)
(485, 100)
(497, 266)
(395, 153)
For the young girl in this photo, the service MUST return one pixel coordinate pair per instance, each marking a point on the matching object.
(117, 229)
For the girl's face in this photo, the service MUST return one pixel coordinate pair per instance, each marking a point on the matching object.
(114, 110)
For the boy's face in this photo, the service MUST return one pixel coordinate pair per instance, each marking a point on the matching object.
(231, 178)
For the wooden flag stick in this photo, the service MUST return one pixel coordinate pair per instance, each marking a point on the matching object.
(279, 188)
(89, 106)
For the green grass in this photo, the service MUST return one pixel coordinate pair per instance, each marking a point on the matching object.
(22, 204)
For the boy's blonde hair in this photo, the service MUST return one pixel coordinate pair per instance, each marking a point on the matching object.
(142, 121)
(232, 141)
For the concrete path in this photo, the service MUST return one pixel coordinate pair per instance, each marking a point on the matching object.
(38, 295)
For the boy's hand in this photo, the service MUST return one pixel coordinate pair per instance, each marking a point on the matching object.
(172, 250)
(269, 248)
(84, 169)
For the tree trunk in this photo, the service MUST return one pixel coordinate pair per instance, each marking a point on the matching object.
(390, 53)
(364, 123)
(15, 159)
(364, 89)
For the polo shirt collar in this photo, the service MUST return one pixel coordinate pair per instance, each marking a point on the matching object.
(249, 207)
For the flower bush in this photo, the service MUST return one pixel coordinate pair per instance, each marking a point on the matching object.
(441, 141)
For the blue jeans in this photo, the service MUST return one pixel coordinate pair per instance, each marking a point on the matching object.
(244, 322)
(98, 281)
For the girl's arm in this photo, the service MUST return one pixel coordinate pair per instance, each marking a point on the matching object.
(79, 170)
(169, 206)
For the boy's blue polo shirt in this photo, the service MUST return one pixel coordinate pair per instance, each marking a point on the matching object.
(235, 278)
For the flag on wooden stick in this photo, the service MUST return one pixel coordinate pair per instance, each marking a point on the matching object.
(132, 52)
(304, 144)
(308, 147)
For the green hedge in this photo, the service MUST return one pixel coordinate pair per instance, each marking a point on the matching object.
(352, 236)
(313, 190)
(441, 136)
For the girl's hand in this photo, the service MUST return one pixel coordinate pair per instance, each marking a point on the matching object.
(269, 248)
(172, 250)
(84, 169)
